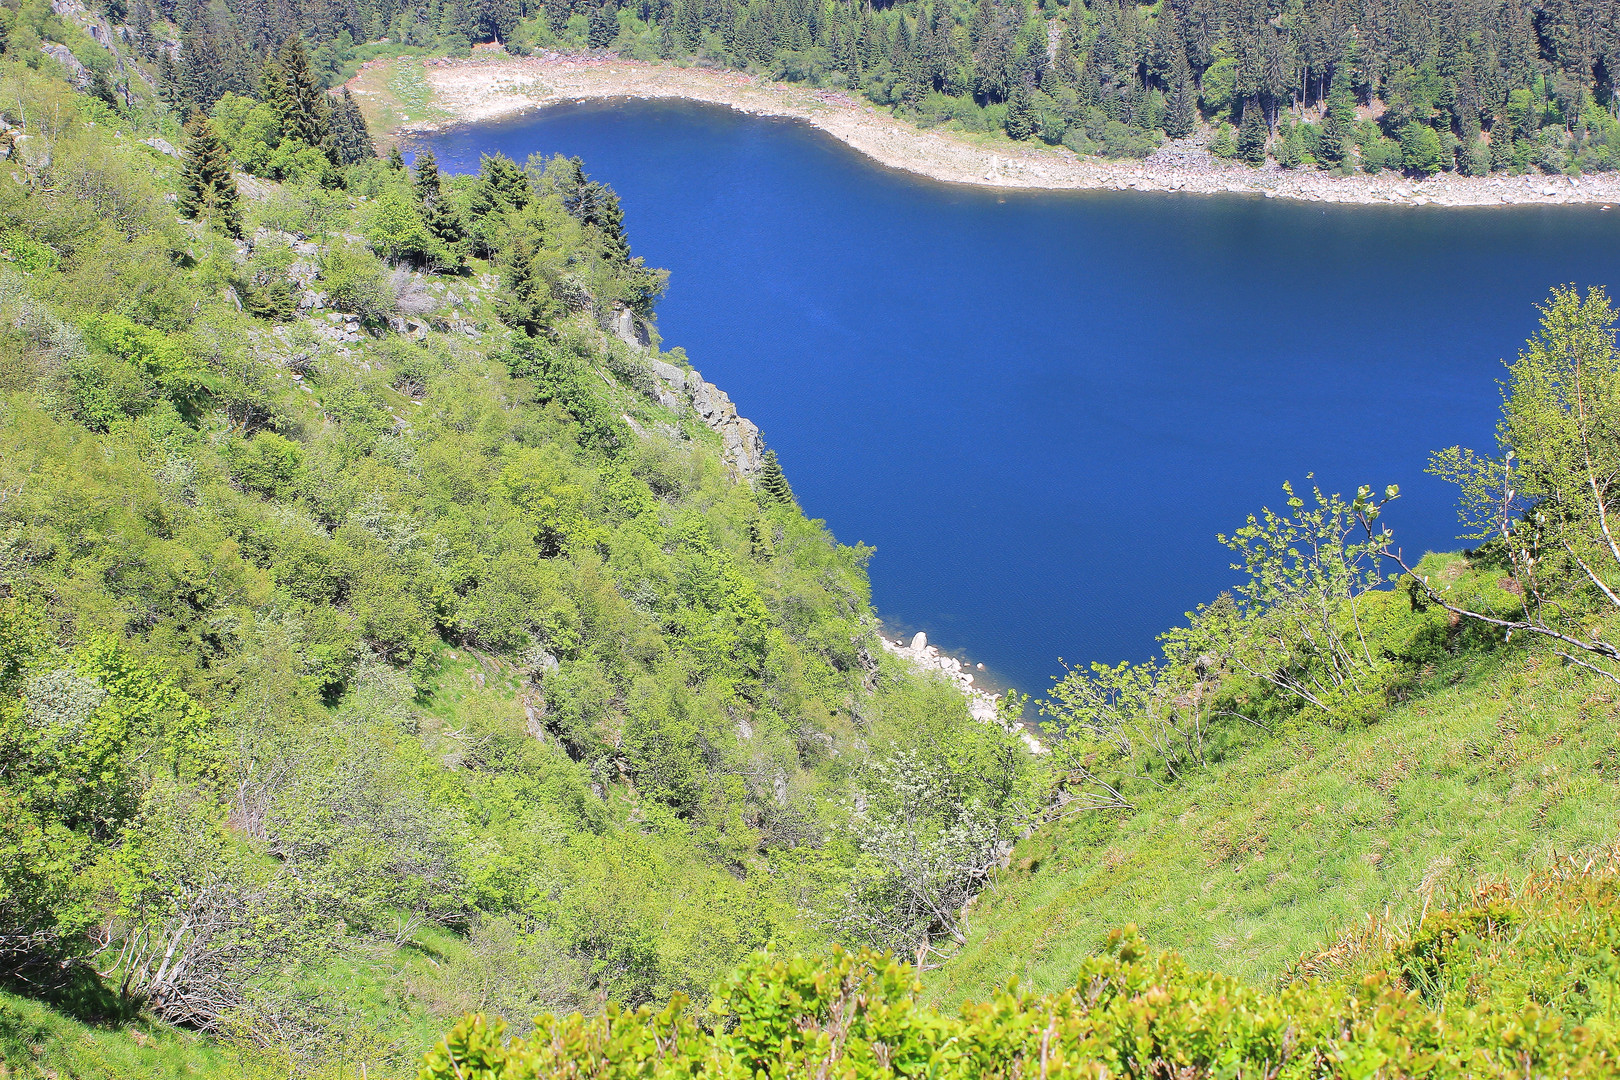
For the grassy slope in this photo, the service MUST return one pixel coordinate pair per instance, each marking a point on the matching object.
(37, 1041)
(1494, 765)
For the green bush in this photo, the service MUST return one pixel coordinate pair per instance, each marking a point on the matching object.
(1130, 1013)
(356, 282)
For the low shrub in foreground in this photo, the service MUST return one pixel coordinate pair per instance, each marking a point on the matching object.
(1523, 1002)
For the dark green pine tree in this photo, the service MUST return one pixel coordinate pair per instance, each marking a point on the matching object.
(502, 185)
(208, 191)
(1340, 123)
(1252, 134)
(101, 87)
(602, 27)
(773, 482)
(594, 205)
(396, 160)
(301, 106)
(437, 211)
(350, 139)
(1181, 110)
(1020, 114)
(528, 301)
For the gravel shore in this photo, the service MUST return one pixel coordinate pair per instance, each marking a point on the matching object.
(494, 85)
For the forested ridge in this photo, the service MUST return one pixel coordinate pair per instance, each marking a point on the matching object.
(1470, 87)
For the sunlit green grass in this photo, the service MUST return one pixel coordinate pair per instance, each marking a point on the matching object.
(1497, 763)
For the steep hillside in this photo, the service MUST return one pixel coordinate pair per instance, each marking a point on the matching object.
(389, 628)
(1496, 764)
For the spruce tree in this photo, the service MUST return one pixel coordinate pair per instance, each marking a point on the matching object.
(1339, 126)
(774, 482)
(502, 185)
(437, 212)
(1290, 151)
(301, 106)
(396, 160)
(1251, 141)
(1020, 114)
(1181, 109)
(603, 26)
(209, 190)
(350, 140)
(1500, 154)
(528, 302)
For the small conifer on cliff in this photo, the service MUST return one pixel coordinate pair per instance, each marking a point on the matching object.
(774, 482)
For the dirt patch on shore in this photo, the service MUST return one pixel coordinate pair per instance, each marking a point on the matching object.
(494, 85)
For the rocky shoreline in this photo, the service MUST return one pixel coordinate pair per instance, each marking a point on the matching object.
(981, 703)
(492, 85)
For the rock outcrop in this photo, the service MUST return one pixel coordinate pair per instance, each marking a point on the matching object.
(743, 447)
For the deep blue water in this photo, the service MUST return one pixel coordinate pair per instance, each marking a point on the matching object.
(1042, 408)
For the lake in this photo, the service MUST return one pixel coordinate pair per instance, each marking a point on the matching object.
(1041, 408)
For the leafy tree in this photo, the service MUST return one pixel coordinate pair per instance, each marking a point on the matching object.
(209, 188)
(1547, 501)
(1309, 571)
(1421, 152)
(397, 231)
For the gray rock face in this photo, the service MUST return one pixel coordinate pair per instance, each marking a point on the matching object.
(670, 374)
(64, 56)
(629, 329)
(744, 449)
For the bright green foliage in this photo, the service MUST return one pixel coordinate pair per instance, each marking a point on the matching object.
(1421, 152)
(1130, 1013)
(74, 744)
(398, 233)
(165, 359)
(1548, 503)
(1309, 572)
(209, 191)
(347, 686)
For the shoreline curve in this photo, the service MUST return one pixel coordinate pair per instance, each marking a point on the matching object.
(493, 85)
